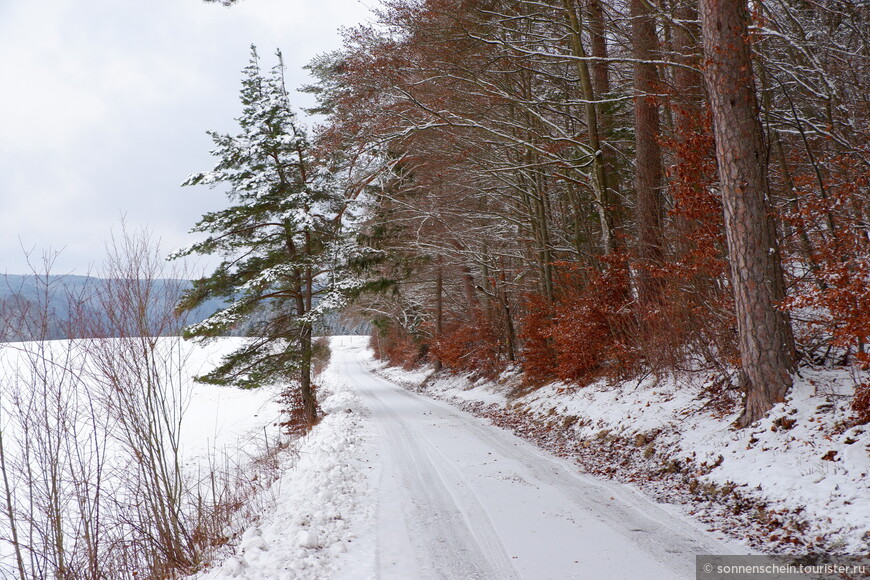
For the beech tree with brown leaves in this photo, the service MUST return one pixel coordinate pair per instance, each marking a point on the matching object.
(555, 177)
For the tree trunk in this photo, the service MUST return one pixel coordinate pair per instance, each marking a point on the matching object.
(766, 344)
(439, 305)
(648, 156)
(598, 40)
(508, 316)
(599, 168)
(601, 89)
(688, 82)
(309, 399)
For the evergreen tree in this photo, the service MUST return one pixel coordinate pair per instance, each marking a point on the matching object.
(767, 348)
(278, 241)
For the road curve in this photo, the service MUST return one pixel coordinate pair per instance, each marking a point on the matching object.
(458, 498)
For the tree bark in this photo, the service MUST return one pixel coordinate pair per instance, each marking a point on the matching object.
(601, 89)
(309, 399)
(439, 305)
(767, 353)
(648, 156)
(688, 82)
(598, 40)
(600, 184)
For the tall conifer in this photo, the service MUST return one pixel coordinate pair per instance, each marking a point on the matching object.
(276, 240)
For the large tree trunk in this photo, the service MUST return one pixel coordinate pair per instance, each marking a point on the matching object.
(598, 40)
(648, 156)
(306, 346)
(766, 344)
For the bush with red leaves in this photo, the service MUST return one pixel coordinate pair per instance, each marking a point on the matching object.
(861, 403)
(584, 333)
(539, 355)
(835, 289)
(393, 344)
(295, 420)
(470, 346)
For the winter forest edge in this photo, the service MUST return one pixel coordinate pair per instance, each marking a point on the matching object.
(548, 199)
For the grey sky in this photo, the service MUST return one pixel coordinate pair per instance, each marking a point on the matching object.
(105, 104)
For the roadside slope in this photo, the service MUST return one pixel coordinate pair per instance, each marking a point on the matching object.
(794, 482)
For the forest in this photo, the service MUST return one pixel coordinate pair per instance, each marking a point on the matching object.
(600, 189)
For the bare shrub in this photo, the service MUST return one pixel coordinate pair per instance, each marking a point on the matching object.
(53, 444)
(320, 355)
(92, 484)
(139, 363)
(233, 490)
(394, 343)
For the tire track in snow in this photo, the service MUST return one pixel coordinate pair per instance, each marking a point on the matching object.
(645, 524)
(453, 534)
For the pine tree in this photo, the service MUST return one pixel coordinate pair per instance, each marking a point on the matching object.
(277, 239)
(767, 349)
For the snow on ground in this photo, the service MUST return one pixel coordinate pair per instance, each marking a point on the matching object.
(221, 420)
(315, 504)
(393, 485)
(797, 480)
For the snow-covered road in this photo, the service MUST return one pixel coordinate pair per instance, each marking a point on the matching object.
(457, 498)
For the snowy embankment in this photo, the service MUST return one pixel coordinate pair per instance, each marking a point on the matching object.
(797, 481)
(308, 517)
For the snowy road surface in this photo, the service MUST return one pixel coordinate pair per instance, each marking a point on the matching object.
(457, 498)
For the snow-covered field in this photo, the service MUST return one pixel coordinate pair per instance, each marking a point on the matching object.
(215, 418)
(226, 418)
(75, 447)
(796, 481)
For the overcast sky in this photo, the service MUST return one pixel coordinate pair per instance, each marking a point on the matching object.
(105, 104)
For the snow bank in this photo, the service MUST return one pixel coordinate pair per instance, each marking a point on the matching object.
(316, 500)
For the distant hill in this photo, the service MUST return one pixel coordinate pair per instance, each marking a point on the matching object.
(20, 293)
(57, 296)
